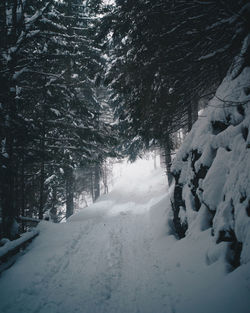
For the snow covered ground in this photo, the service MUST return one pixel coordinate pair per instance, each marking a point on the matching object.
(118, 256)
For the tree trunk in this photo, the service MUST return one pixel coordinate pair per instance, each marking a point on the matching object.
(22, 192)
(16, 200)
(8, 208)
(69, 192)
(97, 182)
(92, 185)
(192, 114)
(168, 160)
(162, 157)
(42, 178)
(155, 156)
(195, 111)
(190, 119)
(42, 166)
(105, 177)
(53, 211)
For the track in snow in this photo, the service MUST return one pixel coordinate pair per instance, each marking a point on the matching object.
(104, 266)
(117, 257)
(104, 263)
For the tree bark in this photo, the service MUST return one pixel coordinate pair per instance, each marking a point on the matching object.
(155, 156)
(42, 178)
(8, 208)
(97, 182)
(69, 191)
(192, 114)
(105, 177)
(42, 166)
(92, 185)
(168, 160)
(190, 118)
(53, 211)
(22, 192)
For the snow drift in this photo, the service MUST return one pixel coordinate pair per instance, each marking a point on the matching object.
(212, 172)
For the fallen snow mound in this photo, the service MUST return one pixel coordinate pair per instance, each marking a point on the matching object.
(212, 172)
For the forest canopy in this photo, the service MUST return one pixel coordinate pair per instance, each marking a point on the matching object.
(82, 81)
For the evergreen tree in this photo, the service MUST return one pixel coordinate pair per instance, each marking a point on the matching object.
(50, 112)
(164, 55)
(18, 21)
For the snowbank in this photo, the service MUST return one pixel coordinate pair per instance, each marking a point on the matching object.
(212, 172)
(11, 245)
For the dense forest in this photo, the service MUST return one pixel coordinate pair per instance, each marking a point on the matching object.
(85, 81)
(124, 156)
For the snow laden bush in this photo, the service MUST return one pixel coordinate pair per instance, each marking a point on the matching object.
(212, 171)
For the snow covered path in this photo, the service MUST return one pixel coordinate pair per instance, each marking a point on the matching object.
(115, 273)
(116, 257)
(101, 261)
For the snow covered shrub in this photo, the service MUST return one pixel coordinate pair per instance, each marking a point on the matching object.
(212, 171)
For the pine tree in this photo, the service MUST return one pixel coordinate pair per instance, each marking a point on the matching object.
(165, 55)
(50, 111)
(19, 24)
